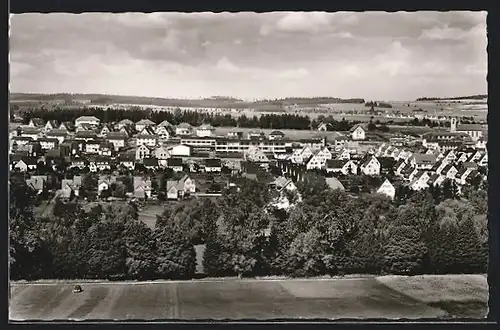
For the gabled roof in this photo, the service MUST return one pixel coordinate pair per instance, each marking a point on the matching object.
(165, 123)
(447, 168)
(334, 183)
(184, 125)
(116, 136)
(206, 127)
(38, 121)
(57, 132)
(86, 134)
(356, 127)
(150, 161)
(335, 163)
(125, 122)
(87, 118)
(277, 133)
(145, 122)
(29, 130)
(126, 157)
(53, 123)
(29, 160)
(424, 158)
(469, 127)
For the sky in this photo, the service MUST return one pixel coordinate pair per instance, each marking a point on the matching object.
(371, 55)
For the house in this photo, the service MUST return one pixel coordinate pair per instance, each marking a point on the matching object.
(71, 185)
(175, 164)
(255, 134)
(357, 132)
(36, 123)
(92, 146)
(483, 161)
(67, 126)
(148, 130)
(104, 131)
(85, 127)
(142, 187)
(117, 139)
(345, 167)
(48, 143)
(181, 188)
(283, 184)
(31, 132)
(476, 156)
(463, 157)
(146, 139)
(86, 135)
(124, 123)
(183, 129)
(449, 171)
(37, 182)
(127, 160)
(318, 160)
(276, 135)
(387, 189)
(142, 152)
(180, 150)
(256, 155)
(420, 181)
(102, 163)
(450, 156)
(150, 163)
(26, 164)
(323, 127)
(334, 183)
(127, 130)
(344, 155)
(299, 156)
(58, 134)
(165, 124)
(141, 124)
(163, 132)
(439, 167)
(50, 125)
(400, 165)
(371, 166)
(475, 131)
(205, 130)
(436, 180)
(463, 174)
(104, 183)
(481, 143)
(89, 120)
(423, 161)
(79, 162)
(106, 148)
(213, 165)
(235, 134)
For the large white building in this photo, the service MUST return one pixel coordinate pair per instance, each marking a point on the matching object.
(88, 120)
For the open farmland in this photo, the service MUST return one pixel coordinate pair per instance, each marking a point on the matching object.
(367, 297)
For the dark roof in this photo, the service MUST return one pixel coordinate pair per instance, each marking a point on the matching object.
(213, 162)
(469, 127)
(53, 153)
(57, 132)
(38, 121)
(355, 127)
(29, 130)
(280, 133)
(54, 140)
(335, 163)
(150, 162)
(174, 162)
(86, 134)
(116, 136)
(126, 157)
(146, 136)
(29, 160)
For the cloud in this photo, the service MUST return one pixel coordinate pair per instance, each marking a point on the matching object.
(449, 33)
(303, 22)
(225, 64)
(293, 74)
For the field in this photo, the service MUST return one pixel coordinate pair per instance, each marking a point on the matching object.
(148, 214)
(348, 298)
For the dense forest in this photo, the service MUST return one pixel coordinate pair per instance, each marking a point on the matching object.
(471, 97)
(328, 232)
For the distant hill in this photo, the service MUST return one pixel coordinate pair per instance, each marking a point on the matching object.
(212, 102)
(471, 97)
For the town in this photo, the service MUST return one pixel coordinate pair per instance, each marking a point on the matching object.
(196, 162)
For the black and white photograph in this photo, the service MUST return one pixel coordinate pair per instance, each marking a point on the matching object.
(172, 166)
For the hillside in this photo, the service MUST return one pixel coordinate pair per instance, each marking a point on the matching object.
(212, 102)
(471, 97)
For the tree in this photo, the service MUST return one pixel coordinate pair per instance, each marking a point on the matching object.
(140, 245)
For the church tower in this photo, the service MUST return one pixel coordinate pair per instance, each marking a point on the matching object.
(453, 125)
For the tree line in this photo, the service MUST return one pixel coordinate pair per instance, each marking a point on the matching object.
(328, 232)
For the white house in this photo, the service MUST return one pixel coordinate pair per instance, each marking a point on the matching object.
(175, 164)
(33, 133)
(357, 132)
(183, 129)
(345, 167)
(89, 120)
(147, 140)
(162, 154)
(387, 189)
(26, 164)
(179, 189)
(105, 129)
(180, 150)
(48, 143)
(127, 161)
(436, 180)
(483, 161)
(301, 155)
(205, 130)
(371, 166)
(420, 181)
(255, 154)
(463, 174)
(50, 125)
(124, 123)
(423, 161)
(92, 147)
(345, 154)
(450, 171)
(117, 139)
(142, 187)
(318, 160)
(213, 165)
(162, 132)
(141, 124)
(142, 152)
(104, 183)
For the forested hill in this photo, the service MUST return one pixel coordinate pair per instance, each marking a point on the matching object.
(212, 102)
(471, 97)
